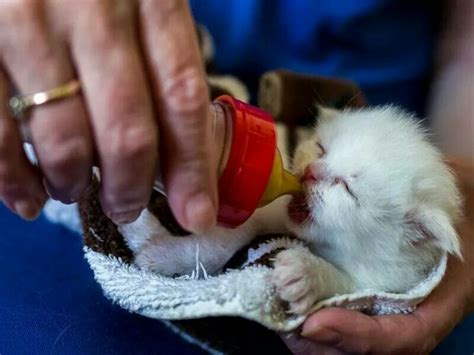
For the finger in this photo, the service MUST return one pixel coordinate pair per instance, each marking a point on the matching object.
(20, 183)
(189, 170)
(356, 332)
(302, 346)
(59, 131)
(118, 98)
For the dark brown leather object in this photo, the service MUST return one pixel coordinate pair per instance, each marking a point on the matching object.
(292, 98)
(288, 95)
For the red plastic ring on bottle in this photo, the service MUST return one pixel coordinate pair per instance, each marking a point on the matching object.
(251, 157)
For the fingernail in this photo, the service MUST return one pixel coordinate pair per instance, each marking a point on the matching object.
(321, 334)
(200, 213)
(27, 209)
(56, 194)
(125, 217)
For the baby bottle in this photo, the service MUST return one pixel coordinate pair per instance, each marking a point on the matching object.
(250, 168)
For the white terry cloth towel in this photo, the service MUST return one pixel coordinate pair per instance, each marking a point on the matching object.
(246, 291)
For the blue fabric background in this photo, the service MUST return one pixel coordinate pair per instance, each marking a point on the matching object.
(51, 304)
(384, 45)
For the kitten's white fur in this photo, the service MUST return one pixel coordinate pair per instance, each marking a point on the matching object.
(382, 233)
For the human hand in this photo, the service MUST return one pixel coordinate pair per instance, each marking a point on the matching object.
(336, 331)
(141, 76)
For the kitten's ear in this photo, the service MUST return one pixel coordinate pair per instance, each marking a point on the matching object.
(433, 226)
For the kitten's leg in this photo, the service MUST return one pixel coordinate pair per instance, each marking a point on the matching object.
(302, 279)
(141, 231)
(171, 255)
(165, 254)
(157, 250)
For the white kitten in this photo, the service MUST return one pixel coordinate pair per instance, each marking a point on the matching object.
(378, 209)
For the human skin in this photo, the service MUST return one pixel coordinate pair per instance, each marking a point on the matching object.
(144, 102)
(335, 331)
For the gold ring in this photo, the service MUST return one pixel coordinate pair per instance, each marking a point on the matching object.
(20, 104)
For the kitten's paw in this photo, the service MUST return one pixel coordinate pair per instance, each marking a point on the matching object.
(295, 279)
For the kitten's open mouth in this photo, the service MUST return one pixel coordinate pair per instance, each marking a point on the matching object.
(298, 209)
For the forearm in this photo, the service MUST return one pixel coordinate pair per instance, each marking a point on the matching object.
(452, 119)
(452, 98)
(465, 173)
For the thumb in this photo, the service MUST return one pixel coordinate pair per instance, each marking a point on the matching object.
(302, 346)
(356, 332)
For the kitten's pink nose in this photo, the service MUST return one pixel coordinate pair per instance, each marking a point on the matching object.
(311, 174)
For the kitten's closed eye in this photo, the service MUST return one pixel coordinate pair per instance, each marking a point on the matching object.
(323, 151)
(345, 185)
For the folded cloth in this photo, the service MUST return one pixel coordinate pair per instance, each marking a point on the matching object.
(244, 289)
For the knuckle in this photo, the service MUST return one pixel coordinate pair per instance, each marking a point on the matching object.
(126, 103)
(24, 32)
(104, 38)
(107, 20)
(186, 92)
(193, 159)
(65, 156)
(17, 17)
(95, 20)
(129, 143)
(18, 10)
(168, 7)
(163, 10)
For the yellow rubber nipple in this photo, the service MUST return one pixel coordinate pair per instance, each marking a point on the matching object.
(281, 182)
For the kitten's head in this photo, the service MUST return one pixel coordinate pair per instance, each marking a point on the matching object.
(371, 172)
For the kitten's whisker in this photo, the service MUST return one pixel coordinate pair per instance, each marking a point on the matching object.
(320, 99)
(312, 111)
(351, 99)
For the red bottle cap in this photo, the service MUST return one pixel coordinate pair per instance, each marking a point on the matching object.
(250, 162)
